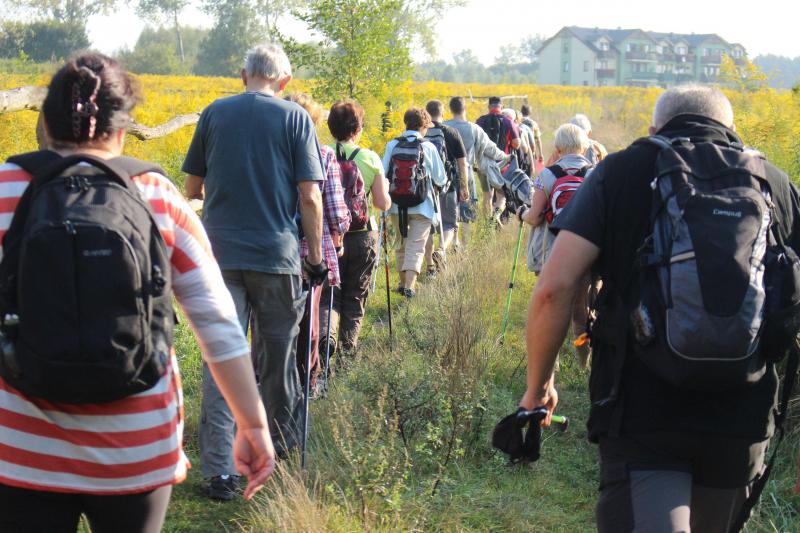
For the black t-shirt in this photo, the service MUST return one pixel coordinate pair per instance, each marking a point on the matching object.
(455, 149)
(612, 210)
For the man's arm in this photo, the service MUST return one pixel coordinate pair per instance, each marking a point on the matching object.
(463, 174)
(194, 187)
(311, 218)
(549, 315)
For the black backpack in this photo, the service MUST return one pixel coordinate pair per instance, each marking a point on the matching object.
(493, 126)
(720, 294)
(85, 283)
(436, 137)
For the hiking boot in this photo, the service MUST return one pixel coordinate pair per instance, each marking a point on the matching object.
(400, 289)
(223, 488)
(431, 273)
(409, 293)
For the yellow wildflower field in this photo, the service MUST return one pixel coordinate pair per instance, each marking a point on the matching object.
(768, 120)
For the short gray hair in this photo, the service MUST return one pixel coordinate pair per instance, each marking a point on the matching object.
(695, 99)
(583, 121)
(510, 113)
(571, 139)
(267, 61)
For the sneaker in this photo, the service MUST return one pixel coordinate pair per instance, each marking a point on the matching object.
(431, 273)
(400, 289)
(409, 293)
(223, 488)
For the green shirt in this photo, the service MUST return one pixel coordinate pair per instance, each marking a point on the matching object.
(370, 165)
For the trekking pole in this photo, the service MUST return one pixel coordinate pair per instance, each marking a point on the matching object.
(388, 290)
(511, 285)
(328, 340)
(307, 384)
(378, 260)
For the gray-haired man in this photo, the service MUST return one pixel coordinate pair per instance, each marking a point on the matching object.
(672, 457)
(254, 159)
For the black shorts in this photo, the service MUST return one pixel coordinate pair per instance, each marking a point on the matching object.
(674, 482)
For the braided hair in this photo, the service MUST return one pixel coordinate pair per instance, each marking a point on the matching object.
(90, 97)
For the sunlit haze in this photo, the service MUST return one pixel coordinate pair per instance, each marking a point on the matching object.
(763, 27)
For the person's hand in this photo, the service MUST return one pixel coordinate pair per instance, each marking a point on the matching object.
(463, 194)
(521, 213)
(548, 398)
(254, 457)
(315, 274)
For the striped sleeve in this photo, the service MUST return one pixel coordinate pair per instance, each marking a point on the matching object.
(196, 278)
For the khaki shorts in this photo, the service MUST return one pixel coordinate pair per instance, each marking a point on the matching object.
(410, 252)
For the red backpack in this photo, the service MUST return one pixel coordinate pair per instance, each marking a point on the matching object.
(563, 189)
(355, 196)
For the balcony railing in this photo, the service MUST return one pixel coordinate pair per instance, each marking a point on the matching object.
(606, 73)
(715, 59)
(607, 54)
(634, 76)
(641, 56)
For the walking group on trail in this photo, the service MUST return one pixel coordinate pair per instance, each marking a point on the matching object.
(675, 260)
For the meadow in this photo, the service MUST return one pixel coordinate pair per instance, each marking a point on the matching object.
(401, 442)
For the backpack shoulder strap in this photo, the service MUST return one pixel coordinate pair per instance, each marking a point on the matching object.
(130, 167)
(34, 162)
(354, 154)
(557, 171)
(581, 173)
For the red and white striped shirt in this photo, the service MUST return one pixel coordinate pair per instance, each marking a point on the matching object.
(133, 444)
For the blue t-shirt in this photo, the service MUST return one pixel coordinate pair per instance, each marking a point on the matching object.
(252, 149)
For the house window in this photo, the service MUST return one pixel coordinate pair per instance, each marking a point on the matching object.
(680, 50)
(705, 52)
(566, 47)
(604, 64)
(566, 66)
(586, 66)
(604, 46)
(629, 47)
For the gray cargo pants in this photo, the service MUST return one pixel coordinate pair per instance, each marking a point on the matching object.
(669, 482)
(275, 302)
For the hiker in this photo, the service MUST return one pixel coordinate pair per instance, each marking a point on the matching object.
(335, 225)
(82, 433)
(255, 158)
(414, 169)
(504, 133)
(571, 143)
(533, 126)
(357, 262)
(450, 145)
(596, 152)
(681, 438)
(478, 146)
(524, 153)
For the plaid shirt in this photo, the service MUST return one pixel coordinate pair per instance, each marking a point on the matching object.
(334, 208)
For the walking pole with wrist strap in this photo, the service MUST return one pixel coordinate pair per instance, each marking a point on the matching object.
(307, 385)
(377, 266)
(511, 284)
(388, 290)
(328, 338)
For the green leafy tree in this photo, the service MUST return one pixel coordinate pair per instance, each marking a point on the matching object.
(366, 49)
(159, 10)
(42, 40)
(237, 28)
(418, 19)
(155, 52)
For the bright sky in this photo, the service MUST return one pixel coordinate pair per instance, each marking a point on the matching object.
(764, 26)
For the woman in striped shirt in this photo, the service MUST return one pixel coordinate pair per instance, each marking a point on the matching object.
(116, 462)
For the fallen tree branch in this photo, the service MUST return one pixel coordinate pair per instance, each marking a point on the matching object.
(22, 98)
(145, 133)
(31, 98)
